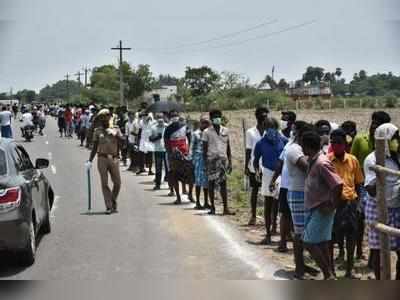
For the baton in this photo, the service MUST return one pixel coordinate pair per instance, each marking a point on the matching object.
(89, 190)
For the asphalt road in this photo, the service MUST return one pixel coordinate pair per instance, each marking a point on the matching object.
(148, 239)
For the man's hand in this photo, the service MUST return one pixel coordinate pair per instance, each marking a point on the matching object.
(247, 171)
(229, 167)
(272, 186)
(258, 175)
(88, 165)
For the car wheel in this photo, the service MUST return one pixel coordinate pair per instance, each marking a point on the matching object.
(28, 255)
(46, 227)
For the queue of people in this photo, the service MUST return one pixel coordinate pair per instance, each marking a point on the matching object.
(317, 176)
(320, 176)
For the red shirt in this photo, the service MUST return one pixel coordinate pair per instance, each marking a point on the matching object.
(68, 116)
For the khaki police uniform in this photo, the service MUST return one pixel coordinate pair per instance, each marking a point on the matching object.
(108, 163)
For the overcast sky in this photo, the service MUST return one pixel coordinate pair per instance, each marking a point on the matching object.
(42, 40)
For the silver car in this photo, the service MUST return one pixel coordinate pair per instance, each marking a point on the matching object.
(26, 199)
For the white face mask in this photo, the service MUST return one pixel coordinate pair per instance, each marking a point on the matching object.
(284, 124)
(175, 119)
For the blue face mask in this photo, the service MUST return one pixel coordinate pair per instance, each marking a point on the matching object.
(217, 121)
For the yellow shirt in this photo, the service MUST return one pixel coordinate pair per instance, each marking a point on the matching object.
(350, 171)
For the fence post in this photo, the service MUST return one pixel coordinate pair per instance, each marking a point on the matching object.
(361, 103)
(245, 178)
(344, 103)
(382, 209)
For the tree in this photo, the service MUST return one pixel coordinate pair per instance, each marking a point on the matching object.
(338, 72)
(164, 80)
(200, 81)
(283, 85)
(271, 82)
(141, 80)
(329, 77)
(26, 96)
(313, 74)
(59, 90)
(362, 75)
(4, 96)
(231, 80)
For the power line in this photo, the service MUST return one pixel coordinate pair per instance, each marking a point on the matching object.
(215, 39)
(259, 37)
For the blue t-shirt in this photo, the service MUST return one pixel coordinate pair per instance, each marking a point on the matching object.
(269, 149)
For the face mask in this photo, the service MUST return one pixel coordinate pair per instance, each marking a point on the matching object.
(175, 119)
(349, 139)
(217, 121)
(284, 124)
(338, 149)
(292, 135)
(394, 146)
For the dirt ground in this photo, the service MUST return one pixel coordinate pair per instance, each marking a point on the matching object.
(239, 198)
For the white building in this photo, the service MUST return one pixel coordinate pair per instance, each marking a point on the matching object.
(165, 93)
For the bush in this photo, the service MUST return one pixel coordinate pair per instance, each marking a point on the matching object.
(390, 102)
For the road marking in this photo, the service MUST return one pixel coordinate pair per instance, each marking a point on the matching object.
(50, 155)
(47, 142)
(53, 169)
(55, 206)
(248, 257)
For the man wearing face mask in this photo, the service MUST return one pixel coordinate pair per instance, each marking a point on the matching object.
(363, 145)
(176, 139)
(392, 195)
(157, 138)
(346, 223)
(105, 146)
(218, 158)
(253, 136)
(287, 120)
(350, 128)
(324, 128)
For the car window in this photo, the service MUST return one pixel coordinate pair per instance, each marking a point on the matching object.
(21, 159)
(3, 163)
(26, 161)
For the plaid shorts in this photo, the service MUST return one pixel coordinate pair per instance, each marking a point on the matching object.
(297, 209)
(371, 214)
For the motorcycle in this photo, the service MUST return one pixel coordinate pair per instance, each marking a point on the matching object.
(27, 132)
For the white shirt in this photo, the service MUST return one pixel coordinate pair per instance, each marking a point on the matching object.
(297, 176)
(392, 187)
(145, 144)
(5, 118)
(129, 129)
(285, 178)
(253, 136)
(27, 119)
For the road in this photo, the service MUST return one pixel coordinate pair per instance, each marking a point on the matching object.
(148, 239)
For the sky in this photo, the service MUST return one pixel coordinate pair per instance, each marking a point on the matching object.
(43, 40)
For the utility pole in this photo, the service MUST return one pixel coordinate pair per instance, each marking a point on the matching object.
(79, 74)
(273, 72)
(67, 77)
(121, 75)
(87, 70)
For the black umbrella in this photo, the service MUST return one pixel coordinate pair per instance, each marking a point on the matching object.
(165, 106)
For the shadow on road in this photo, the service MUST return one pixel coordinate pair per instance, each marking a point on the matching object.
(9, 265)
(94, 213)
(147, 182)
(284, 274)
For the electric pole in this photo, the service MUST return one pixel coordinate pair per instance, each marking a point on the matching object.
(87, 70)
(121, 75)
(67, 77)
(79, 74)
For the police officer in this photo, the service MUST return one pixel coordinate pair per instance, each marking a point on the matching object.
(105, 145)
